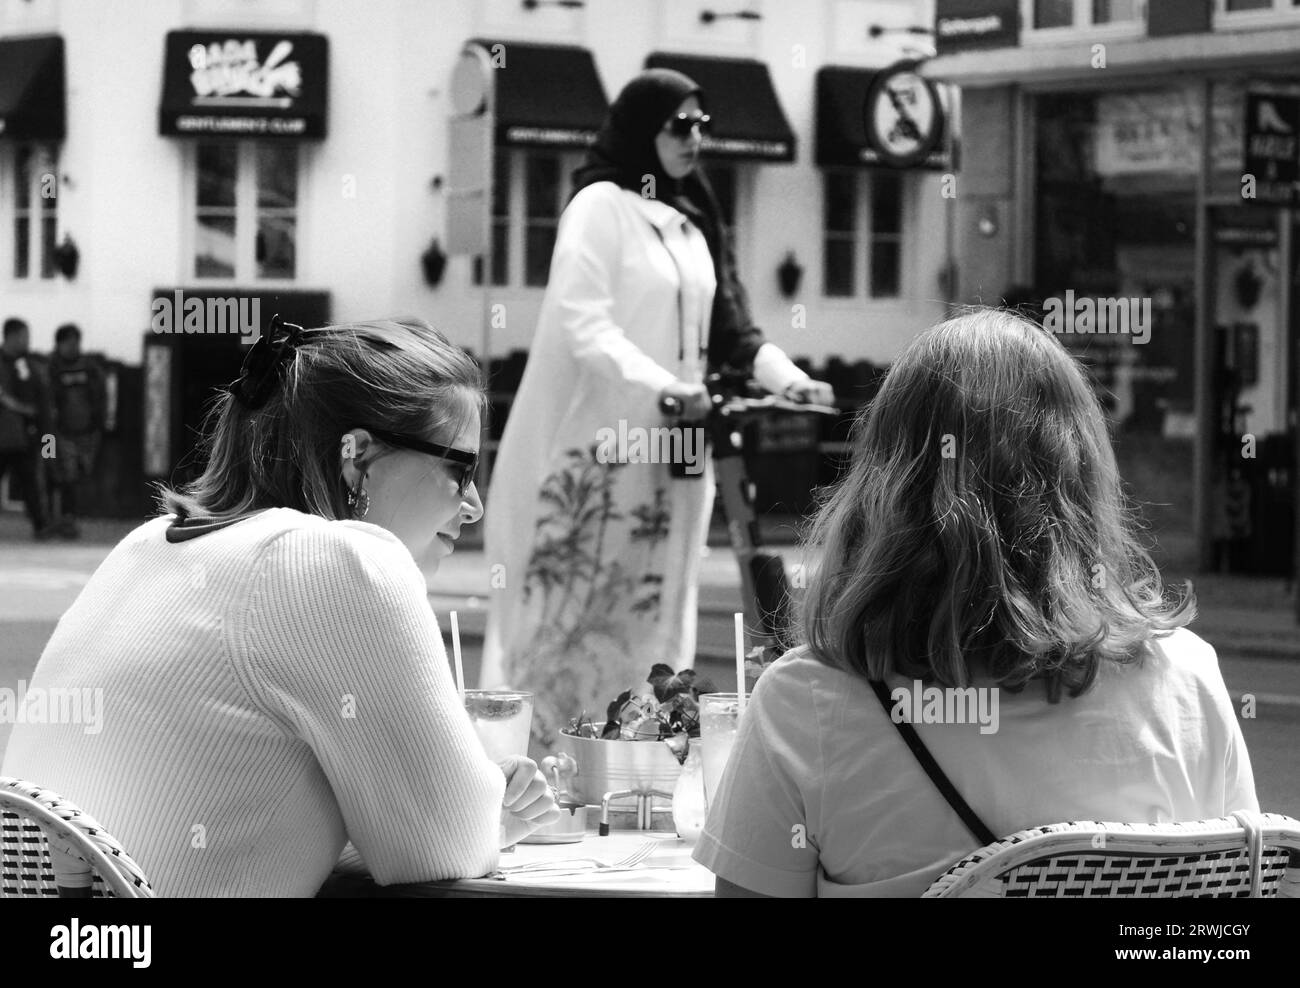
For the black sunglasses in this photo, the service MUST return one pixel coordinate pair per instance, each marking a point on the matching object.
(464, 463)
(681, 125)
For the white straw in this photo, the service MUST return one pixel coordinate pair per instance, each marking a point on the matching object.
(740, 663)
(455, 649)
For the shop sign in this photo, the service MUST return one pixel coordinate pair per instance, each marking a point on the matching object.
(903, 116)
(1148, 132)
(960, 25)
(244, 84)
(1272, 147)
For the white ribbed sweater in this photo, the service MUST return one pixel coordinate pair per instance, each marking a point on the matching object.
(270, 690)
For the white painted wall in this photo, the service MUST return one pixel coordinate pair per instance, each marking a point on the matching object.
(391, 61)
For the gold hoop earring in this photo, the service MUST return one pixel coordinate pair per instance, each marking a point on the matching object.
(359, 499)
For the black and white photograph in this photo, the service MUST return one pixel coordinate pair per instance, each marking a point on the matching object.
(649, 449)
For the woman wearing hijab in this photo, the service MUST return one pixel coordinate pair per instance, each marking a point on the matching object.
(594, 544)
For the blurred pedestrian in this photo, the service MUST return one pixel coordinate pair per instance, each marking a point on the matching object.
(22, 400)
(77, 397)
(600, 558)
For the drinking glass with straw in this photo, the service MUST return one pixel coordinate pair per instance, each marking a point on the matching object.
(720, 719)
(501, 718)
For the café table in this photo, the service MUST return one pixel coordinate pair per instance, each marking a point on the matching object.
(668, 872)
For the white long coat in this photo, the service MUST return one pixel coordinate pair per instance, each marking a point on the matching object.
(599, 561)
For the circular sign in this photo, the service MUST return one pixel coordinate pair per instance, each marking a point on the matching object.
(469, 84)
(902, 115)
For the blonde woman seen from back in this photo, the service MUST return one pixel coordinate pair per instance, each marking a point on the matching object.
(978, 542)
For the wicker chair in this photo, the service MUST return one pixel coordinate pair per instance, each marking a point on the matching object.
(1247, 855)
(48, 847)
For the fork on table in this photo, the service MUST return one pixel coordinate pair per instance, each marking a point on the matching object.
(584, 864)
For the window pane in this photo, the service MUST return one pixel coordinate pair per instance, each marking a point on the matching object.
(277, 176)
(1250, 4)
(538, 245)
(886, 202)
(542, 177)
(49, 229)
(214, 253)
(839, 267)
(22, 229)
(841, 202)
(885, 268)
(22, 177)
(1053, 13)
(276, 246)
(500, 253)
(1110, 11)
(45, 187)
(501, 183)
(217, 163)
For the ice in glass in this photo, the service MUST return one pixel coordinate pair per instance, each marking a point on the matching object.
(719, 720)
(502, 719)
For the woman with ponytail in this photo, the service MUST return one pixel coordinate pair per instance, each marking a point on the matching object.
(273, 682)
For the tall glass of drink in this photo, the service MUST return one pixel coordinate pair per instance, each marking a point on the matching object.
(719, 720)
(502, 719)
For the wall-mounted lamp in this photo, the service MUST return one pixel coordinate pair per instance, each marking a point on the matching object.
(570, 4)
(1247, 286)
(788, 275)
(434, 263)
(67, 257)
(876, 30)
(987, 224)
(709, 16)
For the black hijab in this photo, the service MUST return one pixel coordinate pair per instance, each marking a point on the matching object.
(624, 153)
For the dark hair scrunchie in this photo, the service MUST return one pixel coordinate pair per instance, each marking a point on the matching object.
(264, 364)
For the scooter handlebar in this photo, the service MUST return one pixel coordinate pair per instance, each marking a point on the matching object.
(672, 407)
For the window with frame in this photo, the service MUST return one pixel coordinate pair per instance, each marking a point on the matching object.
(36, 210)
(1049, 14)
(530, 188)
(246, 211)
(1243, 6)
(862, 233)
(1114, 11)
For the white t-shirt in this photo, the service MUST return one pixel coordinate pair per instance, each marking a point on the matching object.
(822, 797)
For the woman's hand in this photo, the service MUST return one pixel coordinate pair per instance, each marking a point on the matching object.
(528, 804)
(694, 399)
(811, 392)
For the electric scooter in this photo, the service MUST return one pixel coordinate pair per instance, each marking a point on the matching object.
(765, 592)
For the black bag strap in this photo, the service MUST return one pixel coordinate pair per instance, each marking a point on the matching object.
(973, 823)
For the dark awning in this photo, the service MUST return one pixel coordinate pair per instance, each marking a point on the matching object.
(545, 95)
(748, 121)
(234, 83)
(32, 104)
(841, 131)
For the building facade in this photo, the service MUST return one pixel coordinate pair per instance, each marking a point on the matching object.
(316, 157)
(1139, 161)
